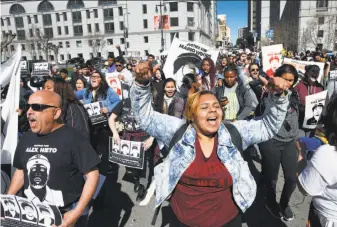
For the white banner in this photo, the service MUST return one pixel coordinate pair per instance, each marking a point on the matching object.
(182, 53)
(314, 105)
(300, 66)
(272, 58)
(9, 107)
(41, 66)
(114, 83)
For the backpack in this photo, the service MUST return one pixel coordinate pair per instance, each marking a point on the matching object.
(236, 140)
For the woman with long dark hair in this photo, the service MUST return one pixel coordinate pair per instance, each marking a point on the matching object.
(73, 113)
(208, 77)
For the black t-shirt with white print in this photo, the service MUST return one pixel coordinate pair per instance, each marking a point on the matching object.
(54, 165)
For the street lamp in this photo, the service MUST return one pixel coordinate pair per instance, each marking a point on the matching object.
(161, 22)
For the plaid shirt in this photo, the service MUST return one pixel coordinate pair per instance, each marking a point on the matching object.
(163, 127)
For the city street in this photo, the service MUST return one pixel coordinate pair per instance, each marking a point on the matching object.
(120, 206)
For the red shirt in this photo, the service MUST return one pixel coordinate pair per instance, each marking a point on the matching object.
(203, 196)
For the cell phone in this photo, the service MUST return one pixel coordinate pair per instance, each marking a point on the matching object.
(224, 98)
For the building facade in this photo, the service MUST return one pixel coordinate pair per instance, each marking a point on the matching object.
(300, 25)
(243, 33)
(224, 32)
(93, 28)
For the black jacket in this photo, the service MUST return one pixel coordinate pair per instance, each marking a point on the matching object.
(76, 117)
(244, 97)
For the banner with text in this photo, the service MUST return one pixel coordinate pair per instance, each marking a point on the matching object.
(182, 53)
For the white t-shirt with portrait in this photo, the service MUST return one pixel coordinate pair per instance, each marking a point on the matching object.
(319, 179)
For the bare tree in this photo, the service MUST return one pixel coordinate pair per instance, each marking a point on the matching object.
(55, 49)
(97, 43)
(38, 42)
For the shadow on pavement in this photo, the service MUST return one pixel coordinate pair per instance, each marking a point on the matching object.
(109, 205)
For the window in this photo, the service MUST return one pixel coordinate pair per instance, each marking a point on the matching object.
(173, 6)
(146, 39)
(60, 45)
(23, 46)
(146, 52)
(59, 32)
(120, 11)
(191, 36)
(145, 23)
(75, 4)
(66, 30)
(99, 54)
(121, 25)
(62, 57)
(80, 55)
(144, 9)
(190, 21)
(109, 27)
(78, 43)
(30, 32)
(96, 13)
(21, 34)
(77, 17)
(32, 46)
(65, 18)
(12, 48)
(46, 19)
(122, 41)
(36, 19)
(8, 21)
(28, 19)
(45, 6)
(17, 9)
(174, 21)
(322, 3)
(69, 56)
(48, 32)
(88, 14)
(51, 57)
(24, 58)
(3, 33)
(97, 27)
(320, 34)
(19, 22)
(90, 43)
(190, 7)
(40, 57)
(89, 28)
(67, 44)
(37, 31)
(174, 34)
(127, 45)
(110, 41)
(57, 17)
(34, 58)
(321, 20)
(78, 31)
(108, 14)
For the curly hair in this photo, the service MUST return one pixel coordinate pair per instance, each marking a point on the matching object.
(212, 75)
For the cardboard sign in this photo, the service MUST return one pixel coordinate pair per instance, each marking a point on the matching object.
(127, 153)
(41, 66)
(114, 83)
(314, 105)
(94, 112)
(272, 58)
(181, 54)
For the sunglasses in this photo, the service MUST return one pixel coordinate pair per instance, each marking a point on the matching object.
(254, 70)
(39, 107)
(118, 65)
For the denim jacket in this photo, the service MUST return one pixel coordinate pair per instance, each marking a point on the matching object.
(163, 127)
(111, 100)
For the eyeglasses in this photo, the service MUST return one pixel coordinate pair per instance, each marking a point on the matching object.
(119, 66)
(39, 107)
(254, 70)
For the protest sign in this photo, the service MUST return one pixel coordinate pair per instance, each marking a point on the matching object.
(18, 211)
(272, 58)
(23, 65)
(314, 105)
(94, 112)
(127, 153)
(300, 66)
(333, 75)
(41, 66)
(114, 83)
(182, 53)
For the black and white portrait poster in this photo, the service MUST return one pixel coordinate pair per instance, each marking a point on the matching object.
(333, 75)
(127, 153)
(94, 112)
(314, 105)
(23, 210)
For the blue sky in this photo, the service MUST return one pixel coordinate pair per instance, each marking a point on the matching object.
(236, 14)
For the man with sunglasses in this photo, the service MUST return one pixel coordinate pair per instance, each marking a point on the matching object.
(59, 156)
(121, 73)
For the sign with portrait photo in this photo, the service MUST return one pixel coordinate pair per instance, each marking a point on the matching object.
(314, 105)
(165, 22)
(23, 65)
(20, 211)
(333, 75)
(272, 58)
(114, 83)
(127, 153)
(94, 112)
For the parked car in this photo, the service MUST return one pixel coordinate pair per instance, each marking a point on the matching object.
(77, 60)
(95, 61)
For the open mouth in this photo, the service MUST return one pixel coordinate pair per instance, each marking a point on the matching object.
(37, 180)
(32, 122)
(212, 120)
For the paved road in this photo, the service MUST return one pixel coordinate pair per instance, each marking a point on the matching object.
(117, 206)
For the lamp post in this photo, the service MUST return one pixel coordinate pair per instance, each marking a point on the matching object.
(161, 22)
